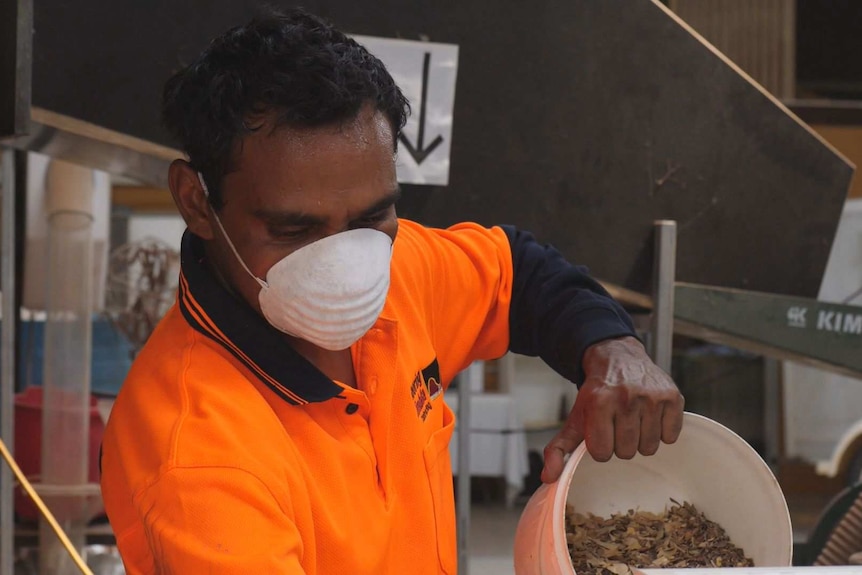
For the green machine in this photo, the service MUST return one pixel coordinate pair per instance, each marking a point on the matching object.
(825, 335)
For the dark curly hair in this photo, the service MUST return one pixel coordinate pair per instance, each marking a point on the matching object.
(289, 64)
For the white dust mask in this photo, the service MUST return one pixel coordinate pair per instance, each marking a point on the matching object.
(329, 292)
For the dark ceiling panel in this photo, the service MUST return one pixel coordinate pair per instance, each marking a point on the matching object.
(16, 17)
(828, 50)
(583, 121)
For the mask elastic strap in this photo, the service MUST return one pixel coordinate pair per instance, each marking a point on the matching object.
(224, 233)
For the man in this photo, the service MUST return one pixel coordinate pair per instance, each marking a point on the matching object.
(287, 414)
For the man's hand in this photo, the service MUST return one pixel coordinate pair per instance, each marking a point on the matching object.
(625, 405)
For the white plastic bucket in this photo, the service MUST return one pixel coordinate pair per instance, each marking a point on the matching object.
(709, 466)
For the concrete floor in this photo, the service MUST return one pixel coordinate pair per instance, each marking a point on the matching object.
(492, 534)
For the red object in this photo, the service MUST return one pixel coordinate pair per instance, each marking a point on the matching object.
(28, 445)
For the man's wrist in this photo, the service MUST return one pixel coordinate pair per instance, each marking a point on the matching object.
(627, 341)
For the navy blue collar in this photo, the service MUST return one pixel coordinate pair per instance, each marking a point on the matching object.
(229, 321)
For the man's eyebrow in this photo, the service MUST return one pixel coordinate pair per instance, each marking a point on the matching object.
(287, 219)
(382, 204)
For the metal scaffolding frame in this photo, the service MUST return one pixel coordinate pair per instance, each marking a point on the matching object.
(7, 358)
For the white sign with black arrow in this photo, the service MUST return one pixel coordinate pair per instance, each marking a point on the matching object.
(426, 73)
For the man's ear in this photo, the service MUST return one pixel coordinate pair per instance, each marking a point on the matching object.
(190, 198)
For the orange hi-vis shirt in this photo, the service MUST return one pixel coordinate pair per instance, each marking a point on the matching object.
(227, 452)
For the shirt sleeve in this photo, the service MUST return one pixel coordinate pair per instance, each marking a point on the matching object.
(464, 274)
(218, 520)
(557, 310)
(497, 289)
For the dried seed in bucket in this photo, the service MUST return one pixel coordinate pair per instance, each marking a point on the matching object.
(680, 537)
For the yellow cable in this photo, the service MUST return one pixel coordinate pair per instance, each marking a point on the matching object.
(45, 511)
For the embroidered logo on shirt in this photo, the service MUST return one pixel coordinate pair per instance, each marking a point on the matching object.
(425, 388)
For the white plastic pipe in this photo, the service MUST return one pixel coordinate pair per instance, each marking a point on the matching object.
(68, 341)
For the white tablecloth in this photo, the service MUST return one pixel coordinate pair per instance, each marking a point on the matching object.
(498, 446)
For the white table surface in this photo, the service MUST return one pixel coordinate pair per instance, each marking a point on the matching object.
(498, 445)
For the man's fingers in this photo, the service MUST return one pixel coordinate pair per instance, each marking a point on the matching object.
(562, 444)
(650, 430)
(553, 464)
(599, 434)
(671, 421)
(627, 430)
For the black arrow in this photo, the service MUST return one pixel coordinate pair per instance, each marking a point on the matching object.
(419, 153)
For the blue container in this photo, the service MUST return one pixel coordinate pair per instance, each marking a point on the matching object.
(111, 356)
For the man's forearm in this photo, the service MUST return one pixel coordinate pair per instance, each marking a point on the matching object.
(557, 310)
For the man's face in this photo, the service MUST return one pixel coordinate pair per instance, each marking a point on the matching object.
(292, 187)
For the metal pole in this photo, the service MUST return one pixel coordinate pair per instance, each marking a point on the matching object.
(664, 276)
(506, 372)
(7, 356)
(465, 380)
(772, 411)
